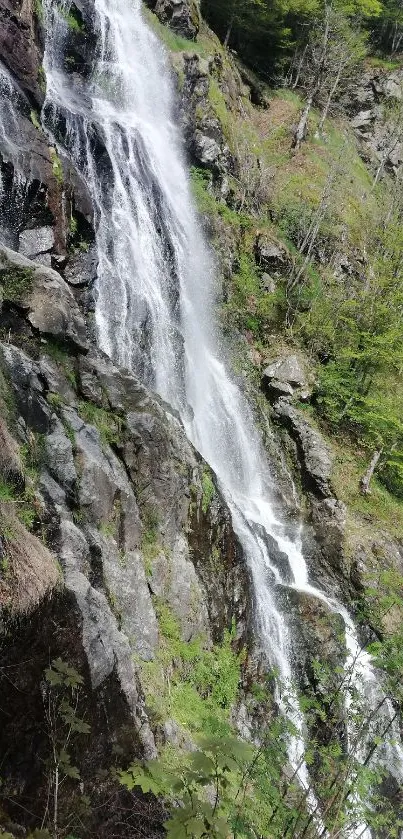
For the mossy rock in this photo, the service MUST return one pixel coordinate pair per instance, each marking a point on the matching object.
(16, 283)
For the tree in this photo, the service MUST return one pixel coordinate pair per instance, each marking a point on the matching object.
(327, 62)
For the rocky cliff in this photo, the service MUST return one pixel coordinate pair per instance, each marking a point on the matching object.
(115, 538)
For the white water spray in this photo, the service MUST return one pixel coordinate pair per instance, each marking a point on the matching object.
(154, 300)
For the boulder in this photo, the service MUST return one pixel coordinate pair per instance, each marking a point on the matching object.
(206, 148)
(271, 255)
(47, 299)
(81, 269)
(286, 369)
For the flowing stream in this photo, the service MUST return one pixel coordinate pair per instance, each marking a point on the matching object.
(154, 306)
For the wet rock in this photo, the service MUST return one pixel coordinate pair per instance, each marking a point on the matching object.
(51, 307)
(317, 633)
(19, 48)
(329, 521)
(38, 241)
(314, 453)
(81, 269)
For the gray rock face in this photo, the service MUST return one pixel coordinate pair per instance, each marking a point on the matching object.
(107, 649)
(286, 370)
(206, 148)
(379, 135)
(183, 16)
(38, 241)
(284, 377)
(203, 132)
(329, 521)
(28, 390)
(56, 380)
(126, 583)
(271, 255)
(59, 458)
(81, 269)
(51, 307)
(314, 453)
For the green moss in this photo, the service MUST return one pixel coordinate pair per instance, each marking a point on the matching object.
(108, 424)
(219, 105)
(73, 18)
(34, 117)
(39, 12)
(57, 167)
(208, 489)
(16, 282)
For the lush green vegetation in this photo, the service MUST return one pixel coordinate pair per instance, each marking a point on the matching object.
(230, 788)
(268, 34)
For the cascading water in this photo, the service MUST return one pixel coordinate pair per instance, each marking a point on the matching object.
(154, 301)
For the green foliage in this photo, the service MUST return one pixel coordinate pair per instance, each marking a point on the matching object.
(23, 503)
(212, 766)
(62, 695)
(188, 683)
(39, 12)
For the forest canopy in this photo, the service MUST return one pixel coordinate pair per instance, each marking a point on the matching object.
(266, 33)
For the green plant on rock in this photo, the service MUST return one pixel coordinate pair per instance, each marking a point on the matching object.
(16, 282)
(57, 167)
(208, 489)
(34, 117)
(109, 425)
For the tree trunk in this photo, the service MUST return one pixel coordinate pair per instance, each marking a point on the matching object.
(366, 479)
(301, 128)
(329, 100)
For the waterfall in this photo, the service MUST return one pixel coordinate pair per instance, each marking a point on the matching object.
(154, 299)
